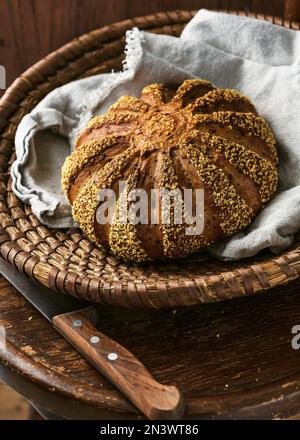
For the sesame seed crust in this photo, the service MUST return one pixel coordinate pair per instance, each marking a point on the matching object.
(111, 118)
(175, 240)
(155, 95)
(172, 234)
(81, 157)
(206, 103)
(109, 121)
(123, 238)
(171, 125)
(261, 170)
(155, 88)
(85, 205)
(156, 91)
(254, 125)
(129, 103)
(195, 87)
(234, 212)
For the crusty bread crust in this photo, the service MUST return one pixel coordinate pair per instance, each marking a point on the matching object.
(192, 136)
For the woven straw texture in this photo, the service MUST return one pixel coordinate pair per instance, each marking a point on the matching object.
(65, 260)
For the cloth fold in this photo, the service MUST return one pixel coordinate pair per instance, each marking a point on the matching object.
(258, 58)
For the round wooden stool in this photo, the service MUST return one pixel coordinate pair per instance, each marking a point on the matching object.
(231, 360)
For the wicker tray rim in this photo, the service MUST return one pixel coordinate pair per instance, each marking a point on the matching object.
(140, 288)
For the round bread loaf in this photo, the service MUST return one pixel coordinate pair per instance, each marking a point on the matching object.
(192, 136)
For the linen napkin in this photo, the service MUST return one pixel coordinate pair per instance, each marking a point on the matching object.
(258, 58)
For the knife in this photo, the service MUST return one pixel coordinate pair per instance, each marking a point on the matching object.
(75, 320)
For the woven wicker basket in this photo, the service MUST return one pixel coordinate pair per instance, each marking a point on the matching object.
(66, 260)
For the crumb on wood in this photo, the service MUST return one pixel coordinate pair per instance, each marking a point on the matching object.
(28, 350)
(59, 369)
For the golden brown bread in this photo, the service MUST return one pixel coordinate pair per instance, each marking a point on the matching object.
(192, 136)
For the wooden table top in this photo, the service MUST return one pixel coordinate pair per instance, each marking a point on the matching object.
(231, 360)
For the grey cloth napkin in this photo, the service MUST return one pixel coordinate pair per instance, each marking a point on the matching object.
(260, 59)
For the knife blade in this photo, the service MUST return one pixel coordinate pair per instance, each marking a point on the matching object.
(48, 302)
(75, 320)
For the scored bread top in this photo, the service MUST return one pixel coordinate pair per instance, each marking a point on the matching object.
(189, 136)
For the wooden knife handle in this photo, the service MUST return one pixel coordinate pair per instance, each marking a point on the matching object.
(120, 367)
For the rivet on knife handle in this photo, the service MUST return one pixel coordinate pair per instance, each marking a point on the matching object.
(121, 367)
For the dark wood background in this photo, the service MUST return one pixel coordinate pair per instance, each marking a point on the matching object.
(30, 29)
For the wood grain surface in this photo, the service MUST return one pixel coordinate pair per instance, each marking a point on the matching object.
(30, 29)
(231, 360)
